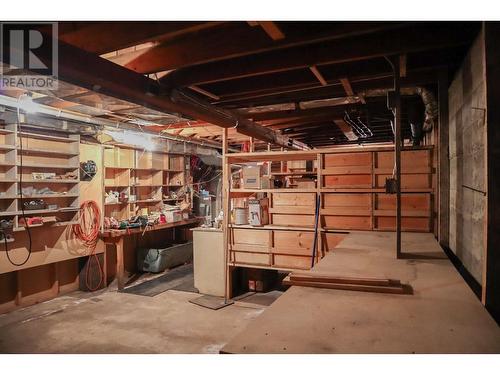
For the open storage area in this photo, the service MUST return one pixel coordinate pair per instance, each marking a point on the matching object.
(250, 187)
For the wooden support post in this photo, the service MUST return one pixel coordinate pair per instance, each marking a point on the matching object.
(120, 265)
(443, 191)
(226, 176)
(397, 151)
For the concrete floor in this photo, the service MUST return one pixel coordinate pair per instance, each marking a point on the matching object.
(111, 322)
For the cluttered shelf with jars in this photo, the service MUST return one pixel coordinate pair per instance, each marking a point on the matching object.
(144, 188)
(288, 208)
(39, 180)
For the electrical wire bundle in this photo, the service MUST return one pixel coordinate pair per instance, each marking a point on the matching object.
(87, 231)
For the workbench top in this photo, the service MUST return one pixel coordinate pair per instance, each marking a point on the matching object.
(442, 316)
(110, 233)
(207, 229)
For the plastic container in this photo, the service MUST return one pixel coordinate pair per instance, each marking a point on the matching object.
(158, 260)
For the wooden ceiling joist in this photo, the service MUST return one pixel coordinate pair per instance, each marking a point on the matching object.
(272, 30)
(199, 90)
(317, 74)
(420, 37)
(103, 37)
(215, 45)
(321, 92)
(402, 65)
(92, 72)
(347, 86)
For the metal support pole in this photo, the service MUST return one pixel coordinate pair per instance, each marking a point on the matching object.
(225, 208)
(397, 151)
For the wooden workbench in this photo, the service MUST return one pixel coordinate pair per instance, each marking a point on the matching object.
(116, 236)
(442, 316)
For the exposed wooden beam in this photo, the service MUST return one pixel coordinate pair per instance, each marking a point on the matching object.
(317, 74)
(347, 86)
(402, 65)
(204, 92)
(372, 68)
(232, 41)
(308, 93)
(419, 37)
(314, 93)
(272, 30)
(92, 72)
(103, 37)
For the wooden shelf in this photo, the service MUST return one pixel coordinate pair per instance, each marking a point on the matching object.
(273, 227)
(9, 196)
(48, 166)
(251, 265)
(6, 181)
(356, 174)
(48, 137)
(47, 211)
(108, 167)
(6, 131)
(294, 174)
(50, 181)
(39, 151)
(7, 147)
(10, 213)
(282, 190)
(116, 203)
(4, 164)
(41, 196)
(145, 175)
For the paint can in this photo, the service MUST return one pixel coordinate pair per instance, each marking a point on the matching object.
(240, 216)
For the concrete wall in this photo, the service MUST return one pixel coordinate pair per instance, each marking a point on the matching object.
(467, 150)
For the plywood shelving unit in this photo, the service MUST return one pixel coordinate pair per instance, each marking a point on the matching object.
(38, 153)
(149, 176)
(350, 184)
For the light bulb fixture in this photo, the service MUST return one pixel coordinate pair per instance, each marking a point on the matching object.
(25, 103)
(142, 140)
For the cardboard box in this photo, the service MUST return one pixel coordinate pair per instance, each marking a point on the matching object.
(251, 177)
(267, 182)
(258, 211)
(173, 216)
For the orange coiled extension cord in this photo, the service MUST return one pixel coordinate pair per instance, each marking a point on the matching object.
(87, 231)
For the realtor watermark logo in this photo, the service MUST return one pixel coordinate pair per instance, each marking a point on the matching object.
(29, 56)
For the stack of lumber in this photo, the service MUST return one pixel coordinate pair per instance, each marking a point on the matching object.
(359, 284)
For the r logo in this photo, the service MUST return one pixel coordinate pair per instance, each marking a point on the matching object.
(29, 56)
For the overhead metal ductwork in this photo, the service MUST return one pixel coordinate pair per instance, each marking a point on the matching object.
(428, 99)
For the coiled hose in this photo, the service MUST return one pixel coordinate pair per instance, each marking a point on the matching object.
(87, 231)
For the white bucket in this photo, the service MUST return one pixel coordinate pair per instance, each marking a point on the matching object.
(240, 216)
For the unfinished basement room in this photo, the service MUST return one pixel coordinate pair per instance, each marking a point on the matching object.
(232, 186)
